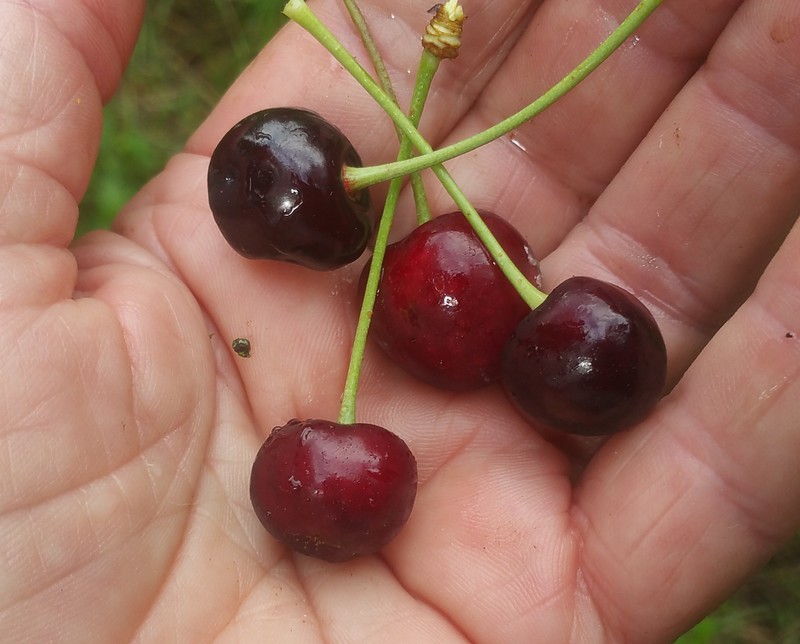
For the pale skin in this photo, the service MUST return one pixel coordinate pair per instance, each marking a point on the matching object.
(129, 425)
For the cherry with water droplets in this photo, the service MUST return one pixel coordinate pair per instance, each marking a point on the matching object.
(276, 190)
(444, 309)
(590, 360)
(331, 490)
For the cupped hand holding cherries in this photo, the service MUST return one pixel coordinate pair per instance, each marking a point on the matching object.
(457, 303)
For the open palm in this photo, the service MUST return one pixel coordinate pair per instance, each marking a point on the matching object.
(129, 426)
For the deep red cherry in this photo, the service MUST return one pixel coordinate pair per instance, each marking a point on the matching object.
(590, 360)
(333, 491)
(444, 309)
(276, 191)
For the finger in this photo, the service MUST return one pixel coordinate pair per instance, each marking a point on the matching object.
(677, 514)
(98, 446)
(692, 219)
(547, 173)
(60, 60)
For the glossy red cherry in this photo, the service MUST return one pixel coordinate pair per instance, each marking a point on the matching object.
(276, 191)
(444, 309)
(333, 491)
(590, 360)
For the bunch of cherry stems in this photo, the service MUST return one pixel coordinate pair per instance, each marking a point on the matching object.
(299, 12)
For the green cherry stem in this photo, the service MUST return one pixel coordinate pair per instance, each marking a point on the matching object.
(347, 411)
(299, 12)
(360, 23)
(357, 18)
(363, 177)
(428, 65)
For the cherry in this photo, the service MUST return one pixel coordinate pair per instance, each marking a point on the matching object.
(276, 191)
(444, 309)
(590, 360)
(333, 491)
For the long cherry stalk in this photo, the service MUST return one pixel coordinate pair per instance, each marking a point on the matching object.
(299, 12)
(428, 65)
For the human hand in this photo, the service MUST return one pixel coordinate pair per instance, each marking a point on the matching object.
(129, 426)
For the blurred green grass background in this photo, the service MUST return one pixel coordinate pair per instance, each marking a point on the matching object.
(186, 57)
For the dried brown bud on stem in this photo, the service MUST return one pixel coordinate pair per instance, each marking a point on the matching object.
(443, 34)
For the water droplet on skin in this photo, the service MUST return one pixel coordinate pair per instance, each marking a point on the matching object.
(392, 16)
(515, 140)
(768, 393)
(650, 261)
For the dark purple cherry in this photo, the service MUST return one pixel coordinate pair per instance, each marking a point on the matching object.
(275, 188)
(444, 309)
(333, 491)
(590, 360)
